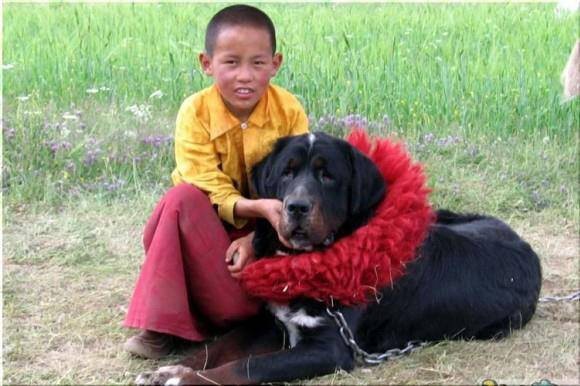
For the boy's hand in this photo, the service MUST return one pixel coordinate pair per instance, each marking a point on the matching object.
(268, 208)
(239, 254)
(271, 210)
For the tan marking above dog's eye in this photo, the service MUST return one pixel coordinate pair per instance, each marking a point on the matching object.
(292, 164)
(318, 163)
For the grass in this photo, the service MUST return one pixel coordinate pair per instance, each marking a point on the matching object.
(425, 66)
(87, 151)
(69, 272)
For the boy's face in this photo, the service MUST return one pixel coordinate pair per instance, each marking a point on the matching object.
(242, 65)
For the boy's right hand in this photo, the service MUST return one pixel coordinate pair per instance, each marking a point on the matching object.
(268, 208)
(271, 210)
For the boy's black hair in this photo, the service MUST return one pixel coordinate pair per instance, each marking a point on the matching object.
(237, 15)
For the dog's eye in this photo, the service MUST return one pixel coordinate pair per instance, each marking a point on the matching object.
(287, 173)
(325, 176)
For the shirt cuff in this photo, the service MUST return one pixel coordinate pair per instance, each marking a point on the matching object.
(226, 212)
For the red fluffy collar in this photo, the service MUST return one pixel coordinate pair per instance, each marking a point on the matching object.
(352, 270)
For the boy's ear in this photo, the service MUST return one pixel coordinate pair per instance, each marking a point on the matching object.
(205, 62)
(276, 62)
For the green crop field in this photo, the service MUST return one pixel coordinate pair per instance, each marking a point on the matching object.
(473, 67)
(89, 90)
(90, 95)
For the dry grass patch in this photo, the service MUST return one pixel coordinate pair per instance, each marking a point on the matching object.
(68, 275)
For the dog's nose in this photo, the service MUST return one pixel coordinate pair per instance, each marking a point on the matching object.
(298, 207)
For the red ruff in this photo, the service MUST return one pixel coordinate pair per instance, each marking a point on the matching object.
(351, 270)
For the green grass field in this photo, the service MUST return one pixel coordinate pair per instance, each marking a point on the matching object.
(90, 91)
(90, 94)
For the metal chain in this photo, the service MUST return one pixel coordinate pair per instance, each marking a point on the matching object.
(370, 358)
(412, 345)
(568, 298)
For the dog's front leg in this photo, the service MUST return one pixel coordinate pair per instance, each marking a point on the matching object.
(256, 336)
(306, 360)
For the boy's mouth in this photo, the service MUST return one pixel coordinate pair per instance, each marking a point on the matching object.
(244, 92)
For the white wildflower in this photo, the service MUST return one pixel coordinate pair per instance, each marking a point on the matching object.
(92, 90)
(141, 112)
(130, 134)
(157, 94)
(68, 116)
(103, 88)
(546, 139)
(8, 66)
(23, 98)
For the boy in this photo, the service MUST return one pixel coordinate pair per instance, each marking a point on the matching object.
(185, 288)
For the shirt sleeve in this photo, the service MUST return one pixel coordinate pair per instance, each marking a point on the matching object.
(197, 163)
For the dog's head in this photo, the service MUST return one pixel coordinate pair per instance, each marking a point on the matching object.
(328, 188)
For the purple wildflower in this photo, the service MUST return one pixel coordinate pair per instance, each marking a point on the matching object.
(70, 167)
(57, 146)
(448, 141)
(428, 138)
(157, 140)
(92, 156)
(473, 151)
(386, 121)
(93, 152)
(113, 185)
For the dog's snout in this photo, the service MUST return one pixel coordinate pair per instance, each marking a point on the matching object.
(298, 207)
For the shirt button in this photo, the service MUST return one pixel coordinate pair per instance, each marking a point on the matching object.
(244, 125)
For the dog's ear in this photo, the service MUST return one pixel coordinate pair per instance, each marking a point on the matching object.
(264, 183)
(368, 185)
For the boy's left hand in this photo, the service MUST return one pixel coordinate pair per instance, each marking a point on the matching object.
(239, 254)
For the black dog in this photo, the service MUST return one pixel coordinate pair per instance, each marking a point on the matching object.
(474, 277)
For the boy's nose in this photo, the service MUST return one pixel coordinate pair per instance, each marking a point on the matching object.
(245, 74)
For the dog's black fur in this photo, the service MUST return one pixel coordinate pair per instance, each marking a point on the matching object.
(473, 278)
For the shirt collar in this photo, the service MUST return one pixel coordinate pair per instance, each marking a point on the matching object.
(222, 120)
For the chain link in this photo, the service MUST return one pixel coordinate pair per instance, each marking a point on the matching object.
(412, 345)
(568, 298)
(370, 358)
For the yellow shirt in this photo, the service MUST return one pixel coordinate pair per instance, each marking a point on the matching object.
(215, 151)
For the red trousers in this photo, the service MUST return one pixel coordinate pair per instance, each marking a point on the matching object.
(184, 287)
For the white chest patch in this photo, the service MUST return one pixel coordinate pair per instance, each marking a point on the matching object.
(292, 320)
(311, 139)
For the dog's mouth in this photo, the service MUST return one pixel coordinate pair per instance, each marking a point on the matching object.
(302, 240)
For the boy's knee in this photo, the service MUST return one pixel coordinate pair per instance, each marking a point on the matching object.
(227, 317)
(186, 196)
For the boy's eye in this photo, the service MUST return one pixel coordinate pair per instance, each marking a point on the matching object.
(259, 62)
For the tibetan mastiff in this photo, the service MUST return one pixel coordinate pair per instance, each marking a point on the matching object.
(474, 277)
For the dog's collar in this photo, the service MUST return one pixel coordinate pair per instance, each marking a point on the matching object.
(354, 268)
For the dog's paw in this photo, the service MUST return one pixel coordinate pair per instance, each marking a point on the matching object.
(166, 375)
